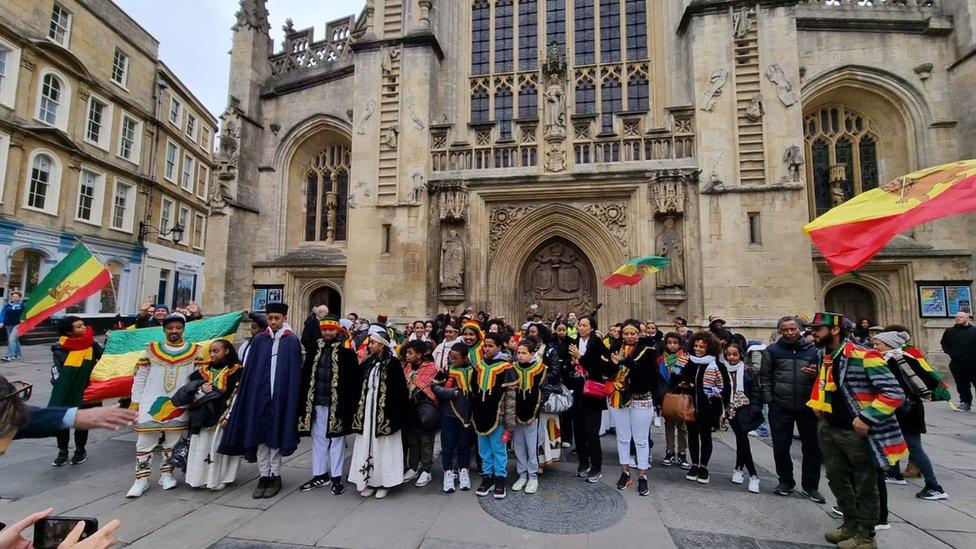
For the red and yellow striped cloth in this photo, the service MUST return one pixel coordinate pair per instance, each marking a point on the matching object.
(71, 281)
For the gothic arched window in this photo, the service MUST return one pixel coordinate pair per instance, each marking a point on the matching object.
(638, 94)
(835, 135)
(503, 110)
(585, 97)
(609, 31)
(583, 41)
(327, 194)
(528, 32)
(480, 32)
(479, 107)
(504, 37)
(528, 102)
(611, 103)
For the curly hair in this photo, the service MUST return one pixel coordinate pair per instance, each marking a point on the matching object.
(713, 345)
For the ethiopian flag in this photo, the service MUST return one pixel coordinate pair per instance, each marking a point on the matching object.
(633, 271)
(112, 376)
(850, 234)
(71, 281)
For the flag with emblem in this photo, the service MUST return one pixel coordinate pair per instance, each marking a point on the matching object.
(71, 281)
(851, 234)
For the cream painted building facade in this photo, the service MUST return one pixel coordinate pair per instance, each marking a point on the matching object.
(85, 119)
(426, 154)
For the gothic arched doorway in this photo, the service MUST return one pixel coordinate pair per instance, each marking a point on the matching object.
(326, 296)
(558, 278)
(853, 301)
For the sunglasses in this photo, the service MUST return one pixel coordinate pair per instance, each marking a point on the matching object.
(22, 390)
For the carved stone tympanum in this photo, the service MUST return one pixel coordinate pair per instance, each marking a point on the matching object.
(558, 279)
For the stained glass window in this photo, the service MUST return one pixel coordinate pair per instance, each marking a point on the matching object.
(636, 29)
(556, 22)
(311, 203)
(844, 153)
(503, 112)
(585, 97)
(528, 35)
(479, 107)
(611, 103)
(638, 94)
(504, 42)
(479, 37)
(584, 40)
(609, 31)
(528, 102)
(821, 176)
(868, 151)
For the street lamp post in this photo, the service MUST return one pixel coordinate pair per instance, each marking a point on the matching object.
(146, 229)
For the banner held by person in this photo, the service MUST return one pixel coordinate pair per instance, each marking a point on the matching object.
(633, 271)
(851, 234)
(71, 281)
(112, 376)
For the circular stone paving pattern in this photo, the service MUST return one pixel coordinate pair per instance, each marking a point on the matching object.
(564, 504)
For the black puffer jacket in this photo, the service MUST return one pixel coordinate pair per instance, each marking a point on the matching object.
(554, 370)
(783, 381)
(959, 342)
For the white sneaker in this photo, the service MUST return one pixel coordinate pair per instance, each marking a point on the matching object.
(423, 480)
(520, 484)
(218, 487)
(754, 484)
(138, 488)
(449, 481)
(737, 476)
(168, 482)
(464, 480)
(409, 475)
(533, 486)
(566, 445)
(381, 493)
(367, 492)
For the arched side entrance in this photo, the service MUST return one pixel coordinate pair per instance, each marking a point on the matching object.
(25, 269)
(326, 296)
(853, 301)
(556, 278)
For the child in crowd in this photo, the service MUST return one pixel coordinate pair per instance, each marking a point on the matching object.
(745, 413)
(708, 379)
(672, 361)
(453, 392)
(492, 408)
(418, 439)
(530, 371)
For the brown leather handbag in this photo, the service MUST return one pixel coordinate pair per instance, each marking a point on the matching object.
(678, 406)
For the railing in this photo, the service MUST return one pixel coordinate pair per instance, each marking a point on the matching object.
(302, 53)
(874, 3)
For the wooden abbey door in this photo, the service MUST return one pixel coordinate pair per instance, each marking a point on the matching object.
(559, 279)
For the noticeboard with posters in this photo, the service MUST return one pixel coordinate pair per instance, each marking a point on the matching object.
(943, 299)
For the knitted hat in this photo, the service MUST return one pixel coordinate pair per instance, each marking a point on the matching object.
(174, 317)
(345, 323)
(162, 306)
(279, 308)
(826, 319)
(895, 340)
(329, 322)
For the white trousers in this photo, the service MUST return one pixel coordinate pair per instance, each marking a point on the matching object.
(327, 453)
(633, 424)
(269, 461)
(146, 442)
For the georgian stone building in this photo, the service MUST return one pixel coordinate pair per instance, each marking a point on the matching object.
(84, 119)
(427, 154)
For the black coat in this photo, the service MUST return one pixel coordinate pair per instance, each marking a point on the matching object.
(707, 410)
(207, 410)
(750, 417)
(643, 375)
(911, 414)
(783, 381)
(959, 342)
(597, 367)
(333, 373)
(394, 414)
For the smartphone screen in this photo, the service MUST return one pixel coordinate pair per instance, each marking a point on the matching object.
(51, 531)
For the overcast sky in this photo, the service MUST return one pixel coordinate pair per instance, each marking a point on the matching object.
(194, 35)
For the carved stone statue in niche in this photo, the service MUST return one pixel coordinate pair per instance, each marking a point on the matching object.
(716, 83)
(784, 88)
(793, 157)
(452, 262)
(555, 127)
(331, 205)
(754, 112)
(670, 244)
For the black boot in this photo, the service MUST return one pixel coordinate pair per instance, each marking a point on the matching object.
(261, 487)
(274, 486)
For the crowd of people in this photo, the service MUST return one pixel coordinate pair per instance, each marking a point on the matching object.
(541, 389)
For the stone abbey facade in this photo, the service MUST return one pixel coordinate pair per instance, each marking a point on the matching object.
(428, 154)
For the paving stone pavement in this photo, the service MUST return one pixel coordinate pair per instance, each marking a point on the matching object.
(677, 513)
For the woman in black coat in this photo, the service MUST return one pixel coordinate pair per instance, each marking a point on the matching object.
(711, 388)
(745, 413)
(590, 361)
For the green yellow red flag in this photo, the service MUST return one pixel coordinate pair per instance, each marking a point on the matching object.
(851, 234)
(71, 281)
(112, 376)
(633, 271)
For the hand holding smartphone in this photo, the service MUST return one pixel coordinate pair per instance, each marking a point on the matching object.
(50, 532)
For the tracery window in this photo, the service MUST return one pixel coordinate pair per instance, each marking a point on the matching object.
(556, 22)
(528, 31)
(585, 96)
(836, 134)
(609, 31)
(638, 93)
(327, 195)
(503, 109)
(528, 101)
(479, 105)
(504, 39)
(583, 13)
(480, 32)
(611, 102)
